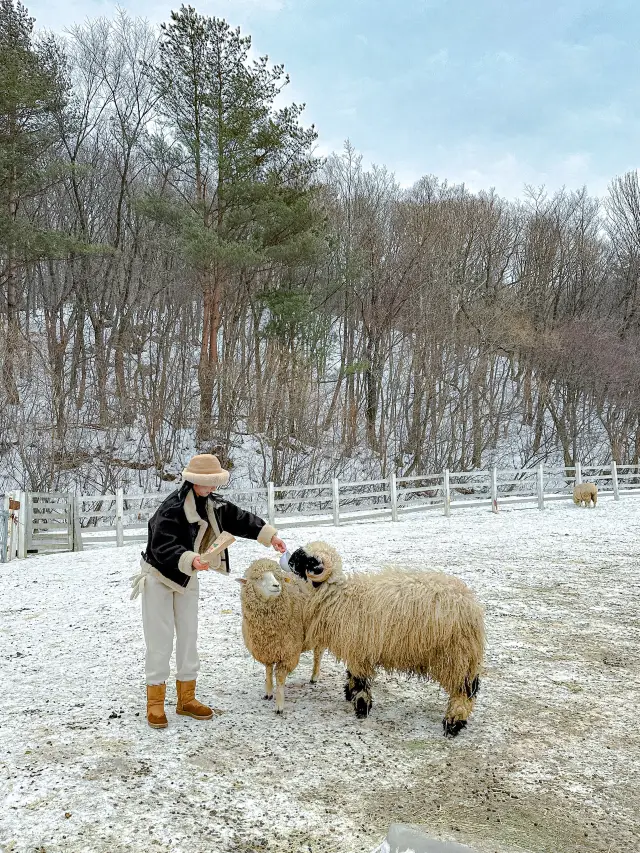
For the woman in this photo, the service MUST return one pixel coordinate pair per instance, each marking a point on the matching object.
(183, 527)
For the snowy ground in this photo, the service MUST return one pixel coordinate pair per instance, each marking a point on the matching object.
(550, 762)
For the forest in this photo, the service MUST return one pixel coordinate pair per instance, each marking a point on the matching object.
(180, 272)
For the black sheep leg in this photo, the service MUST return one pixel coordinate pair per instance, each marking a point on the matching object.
(459, 708)
(349, 687)
(358, 692)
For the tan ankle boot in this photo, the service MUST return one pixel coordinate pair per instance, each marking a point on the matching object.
(188, 705)
(155, 706)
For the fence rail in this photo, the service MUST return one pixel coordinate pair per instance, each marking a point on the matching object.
(39, 522)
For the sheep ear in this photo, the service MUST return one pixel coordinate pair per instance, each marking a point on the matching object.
(241, 580)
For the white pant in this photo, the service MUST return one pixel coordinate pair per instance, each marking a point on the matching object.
(162, 609)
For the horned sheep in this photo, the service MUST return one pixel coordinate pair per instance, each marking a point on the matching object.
(424, 623)
(272, 623)
(585, 493)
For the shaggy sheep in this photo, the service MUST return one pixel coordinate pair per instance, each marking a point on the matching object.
(585, 492)
(272, 623)
(425, 623)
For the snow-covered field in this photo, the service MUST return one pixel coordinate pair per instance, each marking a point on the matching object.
(550, 762)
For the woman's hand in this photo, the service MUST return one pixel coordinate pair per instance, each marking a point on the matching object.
(278, 544)
(198, 565)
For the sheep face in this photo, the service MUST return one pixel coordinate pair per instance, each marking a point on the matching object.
(268, 586)
(265, 577)
(316, 562)
(302, 564)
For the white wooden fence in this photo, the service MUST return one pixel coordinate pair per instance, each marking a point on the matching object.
(65, 522)
(4, 535)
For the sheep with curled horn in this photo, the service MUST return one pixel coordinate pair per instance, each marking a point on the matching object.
(425, 623)
(585, 493)
(273, 623)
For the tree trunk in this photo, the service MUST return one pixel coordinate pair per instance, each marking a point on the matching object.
(13, 337)
(371, 392)
(477, 383)
(102, 369)
(13, 323)
(208, 367)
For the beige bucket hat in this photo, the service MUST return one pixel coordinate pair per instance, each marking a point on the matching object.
(205, 470)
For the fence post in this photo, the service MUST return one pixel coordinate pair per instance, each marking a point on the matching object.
(578, 473)
(494, 489)
(11, 548)
(540, 479)
(335, 486)
(78, 544)
(271, 504)
(119, 517)
(12, 525)
(23, 513)
(614, 480)
(447, 493)
(6, 552)
(71, 516)
(393, 492)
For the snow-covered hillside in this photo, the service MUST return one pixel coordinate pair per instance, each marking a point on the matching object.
(550, 761)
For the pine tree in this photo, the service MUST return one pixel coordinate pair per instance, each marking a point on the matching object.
(31, 95)
(243, 168)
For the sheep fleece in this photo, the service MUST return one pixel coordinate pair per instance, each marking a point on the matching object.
(422, 622)
(273, 629)
(586, 492)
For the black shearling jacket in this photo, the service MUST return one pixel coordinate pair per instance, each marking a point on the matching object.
(176, 532)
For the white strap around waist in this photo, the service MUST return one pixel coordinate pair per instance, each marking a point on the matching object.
(137, 580)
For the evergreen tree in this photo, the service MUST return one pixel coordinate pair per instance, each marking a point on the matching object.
(243, 169)
(31, 95)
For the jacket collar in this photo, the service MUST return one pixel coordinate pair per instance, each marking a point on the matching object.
(190, 511)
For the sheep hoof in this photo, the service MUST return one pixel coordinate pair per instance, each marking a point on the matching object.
(268, 696)
(452, 728)
(313, 681)
(279, 711)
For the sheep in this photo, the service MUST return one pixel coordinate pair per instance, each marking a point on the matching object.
(424, 623)
(272, 623)
(585, 492)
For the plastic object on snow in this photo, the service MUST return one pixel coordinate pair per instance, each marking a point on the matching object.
(402, 838)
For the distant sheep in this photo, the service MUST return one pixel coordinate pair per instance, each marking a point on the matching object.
(272, 623)
(585, 493)
(426, 623)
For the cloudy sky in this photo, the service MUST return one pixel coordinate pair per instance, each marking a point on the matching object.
(495, 93)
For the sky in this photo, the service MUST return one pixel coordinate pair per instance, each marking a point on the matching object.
(493, 93)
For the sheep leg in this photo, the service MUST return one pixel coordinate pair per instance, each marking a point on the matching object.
(317, 657)
(349, 687)
(362, 701)
(459, 708)
(357, 690)
(268, 681)
(471, 687)
(457, 713)
(281, 675)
